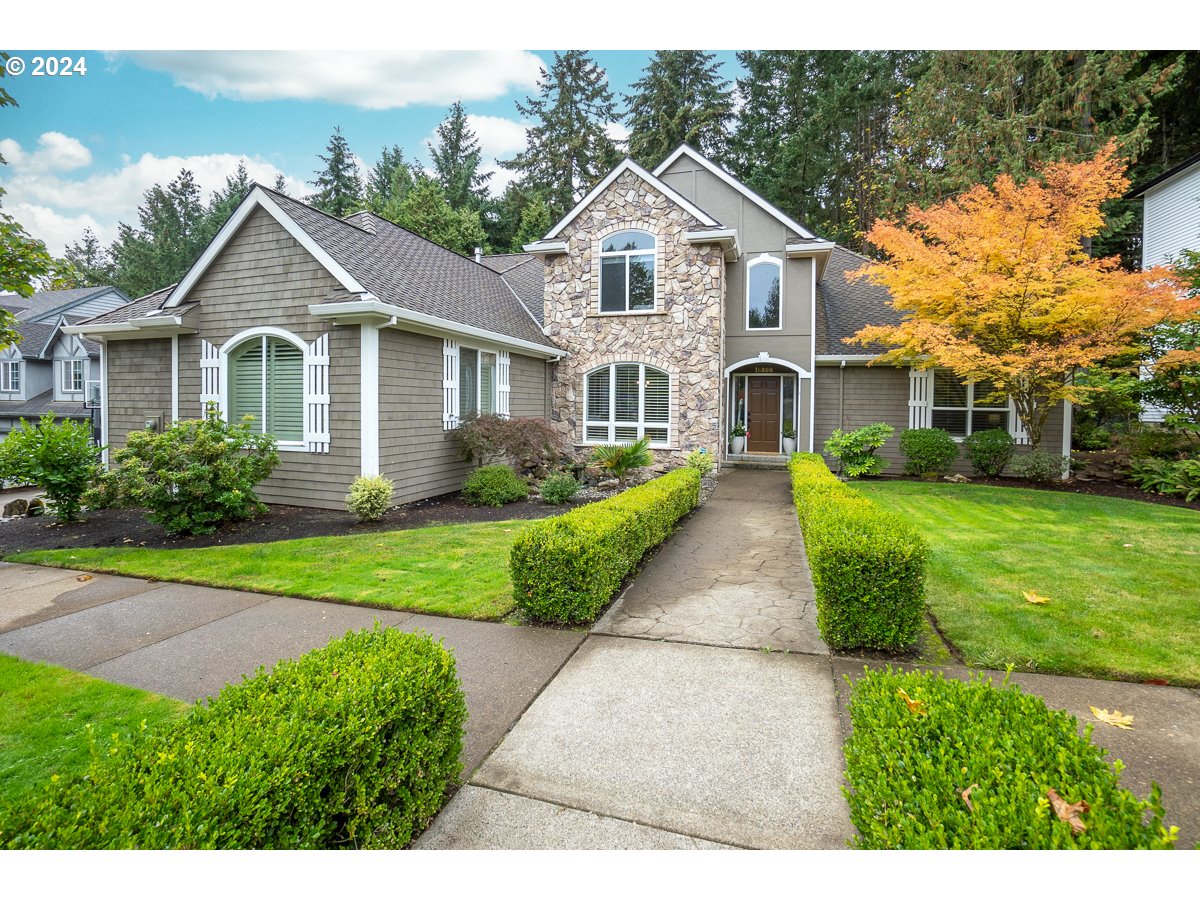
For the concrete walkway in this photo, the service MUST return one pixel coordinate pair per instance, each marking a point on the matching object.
(189, 642)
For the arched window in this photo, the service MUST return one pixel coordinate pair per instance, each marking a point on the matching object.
(625, 402)
(764, 282)
(266, 381)
(627, 272)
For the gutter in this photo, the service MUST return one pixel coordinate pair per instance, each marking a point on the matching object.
(147, 327)
(725, 238)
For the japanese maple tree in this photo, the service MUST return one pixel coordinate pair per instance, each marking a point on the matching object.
(995, 285)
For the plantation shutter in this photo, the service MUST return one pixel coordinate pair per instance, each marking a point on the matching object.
(920, 396)
(284, 399)
(316, 396)
(1015, 428)
(502, 383)
(210, 377)
(657, 405)
(246, 384)
(597, 407)
(449, 384)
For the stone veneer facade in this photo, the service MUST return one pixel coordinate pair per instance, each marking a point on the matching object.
(684, 335)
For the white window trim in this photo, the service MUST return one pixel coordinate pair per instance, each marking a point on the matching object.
(10, 376)
(761, 260)
(612, 254)
(969, 408)
(611, 423)
(452, 383)
(66, 376)
(237, 341)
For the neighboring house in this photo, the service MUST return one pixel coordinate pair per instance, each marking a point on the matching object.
(1170, 223)
(668, 305)
(49, 371)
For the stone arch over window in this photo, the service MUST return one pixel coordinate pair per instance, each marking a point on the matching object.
(627, 400)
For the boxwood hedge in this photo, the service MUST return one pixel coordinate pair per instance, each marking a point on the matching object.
(564, 569)
(868, 565)
(352, 745)
(921, 742)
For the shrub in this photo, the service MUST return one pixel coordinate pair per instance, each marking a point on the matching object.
(920, 741)
(564, 569)
(855, 450)
(1180, 478)
(558, 488)
(104, 492)
(927, 451)
(352, 745)
(370, 497)
(701, 460)
(494, 486)
(1039, 466)
(58, 457)
(868, 565)
(990, 451)
(197, 474)
(518, 440)
(619, 460)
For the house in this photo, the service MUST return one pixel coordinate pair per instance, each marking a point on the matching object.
(49, 371)
(669, 305)
(1170, 224)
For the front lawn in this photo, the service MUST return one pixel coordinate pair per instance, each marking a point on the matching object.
(449, 570)
(1120, 578)
(44, 719)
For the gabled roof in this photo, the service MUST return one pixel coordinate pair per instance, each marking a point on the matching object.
(48, 304)
(1140, 189)
(709, 165)
(374, 259)
(628, 165)
(525, 274)
(37, 338)
(844, 307)
(146, 305)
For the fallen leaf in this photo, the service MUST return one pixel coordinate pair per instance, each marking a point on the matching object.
(128, 541)
(83, 577)
(966, 795)
(1115, 718)
(1035, 598)
(916, 707)
(1127, 545)
(1069, 812)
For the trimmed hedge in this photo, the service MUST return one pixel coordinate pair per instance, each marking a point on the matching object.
(868, 565)
(352, 745)
(565, 569)
(494, 486)
(920, 740)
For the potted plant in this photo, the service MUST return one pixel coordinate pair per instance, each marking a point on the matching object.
(737, 438)
(789, 437)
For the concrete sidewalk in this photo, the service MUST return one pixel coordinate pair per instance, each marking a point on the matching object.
(189, 642)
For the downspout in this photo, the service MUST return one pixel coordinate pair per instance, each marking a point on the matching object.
(842, 394)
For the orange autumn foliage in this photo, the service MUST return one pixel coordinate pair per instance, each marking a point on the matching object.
(995, 285)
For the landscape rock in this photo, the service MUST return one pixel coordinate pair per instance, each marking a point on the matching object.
(14, 508)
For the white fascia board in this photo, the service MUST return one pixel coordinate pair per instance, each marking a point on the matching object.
(720, 173)
(396, 316)
(726, 238)
(255, 199)
(153, 326)
(546, 248)
(848, 358)
(630, 166)
(818, 251)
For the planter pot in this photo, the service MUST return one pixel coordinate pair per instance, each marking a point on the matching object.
(789, 446)
(737, 444)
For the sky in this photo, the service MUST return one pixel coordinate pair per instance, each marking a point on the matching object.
(82, 149)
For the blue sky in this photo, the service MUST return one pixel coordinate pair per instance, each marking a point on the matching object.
(82, 149)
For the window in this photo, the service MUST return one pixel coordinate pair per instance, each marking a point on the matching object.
(764, 277)
(477, 382)
(72, 376)
(10, 375)
(625, 402)
(963, 408)
(627, 272)
(266, 381)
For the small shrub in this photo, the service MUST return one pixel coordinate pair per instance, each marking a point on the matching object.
(558, 488)
(990, 451)
(104, 492)
(370, 497)
(58, 457)
(920, 741)
(855, 450)
(702, 461)
(1039, 466)
(518, 440)
(927, 451)
(1180, 478)
(352, 745)
(868, 564)
(1089, 436)
(619, 460)
(197, 474)
(494, 486)
(564, 569)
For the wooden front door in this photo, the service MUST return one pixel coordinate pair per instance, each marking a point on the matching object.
(762, 403)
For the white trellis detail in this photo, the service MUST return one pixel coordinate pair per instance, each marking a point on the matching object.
(503, 364)
(1015, 428)
(920, 397)
(449, 384)
(316, 395)
(210, 377)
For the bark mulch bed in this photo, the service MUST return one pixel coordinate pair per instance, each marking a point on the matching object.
(1118, 489)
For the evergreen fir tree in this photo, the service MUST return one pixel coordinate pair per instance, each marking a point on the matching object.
(172, 232)
(339, 189)
(680, 99)
(90, 260)
(425, 211)
(456, 160)
(388, 182)
(568, 148)
(535, 222)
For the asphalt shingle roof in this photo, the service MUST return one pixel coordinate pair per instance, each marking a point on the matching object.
(146, 305)
(526, 275)
(38, 406)
(34, 338)
(43, 302)
(844, 307)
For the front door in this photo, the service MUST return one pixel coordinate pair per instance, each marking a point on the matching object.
(763, 407)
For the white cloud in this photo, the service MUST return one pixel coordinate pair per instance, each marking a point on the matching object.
(56, 209)
(366, 79)
(617, 132)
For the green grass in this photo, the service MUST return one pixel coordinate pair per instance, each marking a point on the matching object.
(449, 570)
(44, 718)
(1115, 611)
